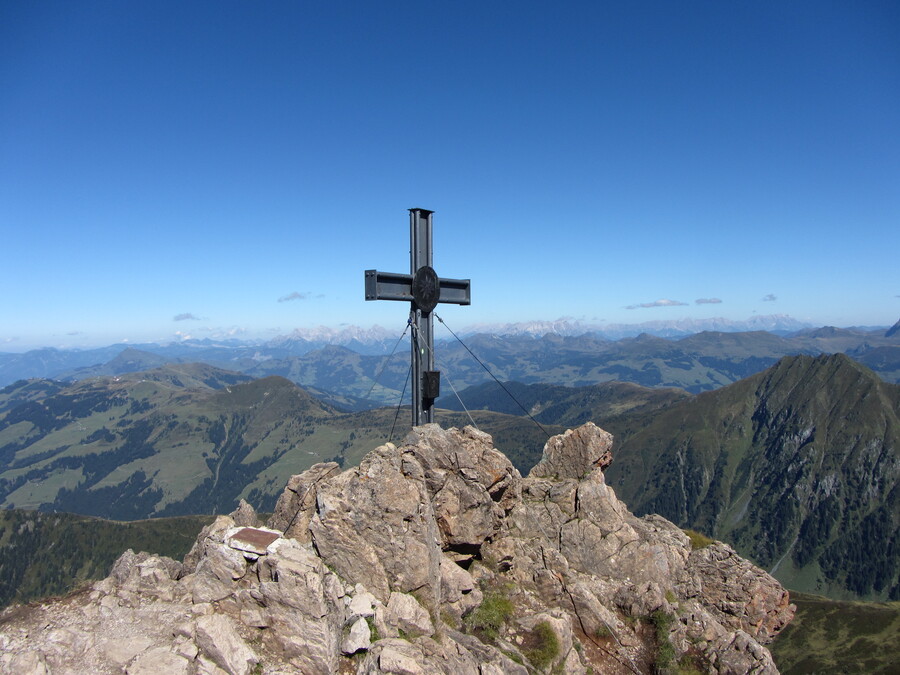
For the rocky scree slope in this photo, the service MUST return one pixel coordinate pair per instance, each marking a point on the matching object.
(432, 557)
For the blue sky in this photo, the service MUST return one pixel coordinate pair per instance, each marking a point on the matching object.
(212, 168)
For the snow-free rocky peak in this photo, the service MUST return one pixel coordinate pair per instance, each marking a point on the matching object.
(434, 556)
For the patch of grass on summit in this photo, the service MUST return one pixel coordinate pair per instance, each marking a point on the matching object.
(698, 539)
(493, 612)
(544, 645)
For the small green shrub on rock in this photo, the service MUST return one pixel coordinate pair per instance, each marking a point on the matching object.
(545, 646)
(698, 540)
(665, 654)
(373, 629)
(494, 611)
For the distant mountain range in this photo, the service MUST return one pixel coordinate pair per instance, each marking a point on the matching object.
(366, 376)
(781, 324)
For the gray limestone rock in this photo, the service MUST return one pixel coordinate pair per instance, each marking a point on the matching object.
(214, 533)
(459, 591)
(427, 656)
(358, 638)
(422, 540)
(405, 613)
(121, 652)
(218, 638)
(739, 654)
(471, 484)
(25, 663)
(159, 661)
(245, 515)
(362, 603)
(575, 453)
(296, 504)
(375, 525)
(739, 594)
(143, 571)
(305, 613)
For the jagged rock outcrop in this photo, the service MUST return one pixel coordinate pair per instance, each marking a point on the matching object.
(434, 556)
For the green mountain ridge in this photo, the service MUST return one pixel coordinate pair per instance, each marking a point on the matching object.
(796, 466)
(829, 636)
(185, 439)
(565, 406)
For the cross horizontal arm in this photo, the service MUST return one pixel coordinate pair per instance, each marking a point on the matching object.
(390, 286)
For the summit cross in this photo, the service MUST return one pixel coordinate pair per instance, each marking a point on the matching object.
(423, 289)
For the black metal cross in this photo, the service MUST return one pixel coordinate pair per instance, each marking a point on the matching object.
(424, 289)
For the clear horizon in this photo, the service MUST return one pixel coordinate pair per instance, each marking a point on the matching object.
(214, 169)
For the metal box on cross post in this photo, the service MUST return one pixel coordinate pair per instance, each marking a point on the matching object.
(424, 289)
(431, 384)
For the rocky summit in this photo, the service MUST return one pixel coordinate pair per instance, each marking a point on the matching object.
(434, 556)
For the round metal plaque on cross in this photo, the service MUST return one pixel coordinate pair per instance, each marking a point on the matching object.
(426, 290)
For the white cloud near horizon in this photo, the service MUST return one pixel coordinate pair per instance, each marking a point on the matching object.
(707, 301)
(296, 295)
(658, 303)
(187, 316)
(770, 298)
(219, 332)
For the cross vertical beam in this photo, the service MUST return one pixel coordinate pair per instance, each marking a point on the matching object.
(422, 343)
(424, 290)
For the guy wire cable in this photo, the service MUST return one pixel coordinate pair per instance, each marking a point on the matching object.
(400, 403)
(450, 382)
(488, 370)
(387, 361)
(456, 393)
